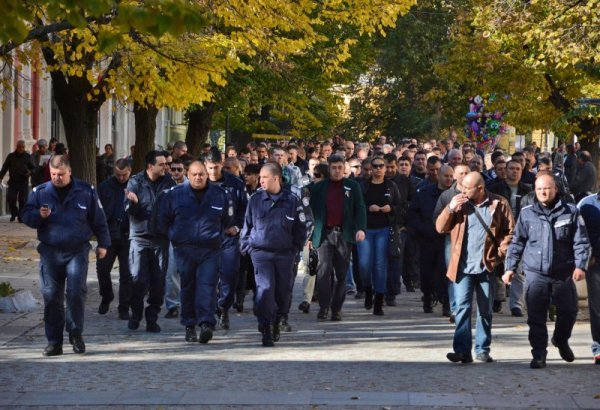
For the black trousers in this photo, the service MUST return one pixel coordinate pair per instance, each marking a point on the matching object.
(432, 268)
(16, 193)
(119, 249)
(334, 258)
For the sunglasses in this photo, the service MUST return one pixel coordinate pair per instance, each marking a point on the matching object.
(378, 166)
(176, 169)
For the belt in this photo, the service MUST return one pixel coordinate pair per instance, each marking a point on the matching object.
(334, 228)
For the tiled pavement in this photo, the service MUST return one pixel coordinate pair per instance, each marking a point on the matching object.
(394, 361)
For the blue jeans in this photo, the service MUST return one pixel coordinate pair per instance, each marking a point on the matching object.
(447, 252)
(172, 282)
(593, 287)
(373, 259)
(199, 271)
(229, 271)
(57, 267)
(483, 285)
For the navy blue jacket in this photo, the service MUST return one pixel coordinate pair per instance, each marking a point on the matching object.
(236, 190)
(420, 213)
(72, 223)
(276, 226)
(192, 223)
(589, 207)
(553, 244)
(112, 195)
(147, 193)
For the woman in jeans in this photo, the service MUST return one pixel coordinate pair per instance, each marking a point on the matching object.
(382, 200)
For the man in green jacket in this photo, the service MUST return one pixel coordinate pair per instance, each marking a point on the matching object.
(340, 220)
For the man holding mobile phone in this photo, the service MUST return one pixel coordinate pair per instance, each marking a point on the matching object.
(66, 213)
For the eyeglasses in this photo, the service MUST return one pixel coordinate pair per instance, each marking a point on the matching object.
(176, 169)
(378, 166)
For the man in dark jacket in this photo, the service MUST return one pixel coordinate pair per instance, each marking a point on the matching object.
(148, 252)
(19, 166)
(66, 213)
(584, 181)
(112, 195)
(553, 236)
(340, 221)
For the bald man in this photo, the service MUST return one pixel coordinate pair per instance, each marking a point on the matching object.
(474, 217)
(553, 236)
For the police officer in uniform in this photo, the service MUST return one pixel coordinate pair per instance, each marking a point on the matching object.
(230, 251)
(194, 215)
(553, 236)
(66, 213)
(148, 252)
(274, 232)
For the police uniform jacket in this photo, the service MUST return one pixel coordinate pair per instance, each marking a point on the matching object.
(354, 214)
(72, 223)
(112, 195)
(192, 223)
(554, 242)
(236, 190)
(589, 207)
(276, 226)
(147, 193)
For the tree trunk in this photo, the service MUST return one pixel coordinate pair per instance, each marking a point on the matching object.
(199, 123)
(145, 129)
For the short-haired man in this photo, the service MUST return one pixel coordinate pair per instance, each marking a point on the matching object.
(19, 165)
(148, 251)
(66, 213)
(434, 164)
(179, 149)
(419, 169)
(468, 218)
(455, 157)
(584, 181)
(112, 196)
(553, 236)
(340, 220)
(40, 159)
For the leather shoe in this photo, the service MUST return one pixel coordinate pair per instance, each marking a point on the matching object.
(123, 315)
(104, 305)
(565, 351)
(323, 313)
(172, 313)
(276, 331)
(224, 319)
(336, 317)
(190, 334)
(459, 357)
(284, 326)
(152, 327)
(484, 357)
(77, 341)
(52, 350)
(516, 312)
(133, 324)
(206, 333)
(538, 363)
(304, 307)
(497, 306)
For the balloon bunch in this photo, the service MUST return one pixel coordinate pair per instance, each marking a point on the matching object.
(484, 129)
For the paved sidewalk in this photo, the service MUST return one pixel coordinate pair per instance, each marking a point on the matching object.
(394, 361)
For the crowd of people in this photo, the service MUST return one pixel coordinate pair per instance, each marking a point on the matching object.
(369, 220)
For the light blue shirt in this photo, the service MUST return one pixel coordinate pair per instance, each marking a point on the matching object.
(471, 256)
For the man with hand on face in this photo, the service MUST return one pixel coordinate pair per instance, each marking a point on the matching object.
(274, 232)
(553, 236)
(66, 213)
(230, 253)
(194, 216)
(148, 253)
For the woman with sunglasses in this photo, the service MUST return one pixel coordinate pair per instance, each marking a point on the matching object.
(382, 200)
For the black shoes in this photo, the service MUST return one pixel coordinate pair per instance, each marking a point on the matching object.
(538, 362)
(427, 303)
(267, 338)
(459, 357)
(359, 294)
(276, 331)
(172, 313)
(516, 312)
(133, 324)
(52, 350)
(304, 307)
(565, 351)
(238, 306)
(104, 305)
(497, 306)
(152, 327)
(123, 315)
(206, 333)
(224, 319)
(378, 305)
(77, 341)
(190, 334)
(284, 326)
(368, 299)
(12, 218)
(336, 317)
(323, 313)
(484, 357)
